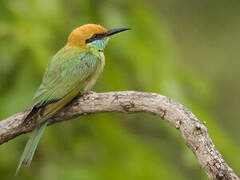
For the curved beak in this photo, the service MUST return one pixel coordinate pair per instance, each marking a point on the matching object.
(115, 31)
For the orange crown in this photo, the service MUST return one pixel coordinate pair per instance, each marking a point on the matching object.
(79, 35)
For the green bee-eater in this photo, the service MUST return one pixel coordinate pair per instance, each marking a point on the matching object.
(73, 70)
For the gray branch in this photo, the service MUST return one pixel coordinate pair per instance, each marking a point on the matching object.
(193, 131)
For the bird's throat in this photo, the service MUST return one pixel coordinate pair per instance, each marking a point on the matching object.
(99, 44)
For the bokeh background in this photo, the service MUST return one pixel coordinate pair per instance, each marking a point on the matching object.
(187, 50)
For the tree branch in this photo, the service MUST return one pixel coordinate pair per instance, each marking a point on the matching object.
(193, 131)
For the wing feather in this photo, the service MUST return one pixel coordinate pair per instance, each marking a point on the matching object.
(66, 76)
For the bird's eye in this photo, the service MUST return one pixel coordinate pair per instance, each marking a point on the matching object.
(94, 36)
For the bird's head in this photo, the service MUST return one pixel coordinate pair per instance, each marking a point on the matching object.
(92, 35)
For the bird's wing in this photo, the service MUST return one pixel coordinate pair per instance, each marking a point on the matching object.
(65, 76)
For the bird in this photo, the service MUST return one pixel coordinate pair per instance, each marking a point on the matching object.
(73, 70)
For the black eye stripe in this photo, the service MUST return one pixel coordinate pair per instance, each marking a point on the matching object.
(100, 36)
(96, 37)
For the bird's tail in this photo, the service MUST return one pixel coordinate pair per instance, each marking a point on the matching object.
(31, 145)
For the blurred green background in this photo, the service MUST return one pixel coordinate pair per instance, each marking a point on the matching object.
(187, 50)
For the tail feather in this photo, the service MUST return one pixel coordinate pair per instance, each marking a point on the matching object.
(41, 113)
(31, 146)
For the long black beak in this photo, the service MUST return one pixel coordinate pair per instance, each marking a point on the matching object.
(115, 31)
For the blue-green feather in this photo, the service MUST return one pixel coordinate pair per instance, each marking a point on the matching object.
(31, 146)
(67, 74)
(99, 44)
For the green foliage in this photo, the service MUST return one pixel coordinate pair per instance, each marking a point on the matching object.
(107, 146)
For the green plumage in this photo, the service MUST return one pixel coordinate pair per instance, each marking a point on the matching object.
(71, 71)
(31, 146)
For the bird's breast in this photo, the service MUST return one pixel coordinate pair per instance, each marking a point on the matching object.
(102, 59)
(92, 80)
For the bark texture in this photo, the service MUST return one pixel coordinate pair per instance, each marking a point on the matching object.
(193, 131)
